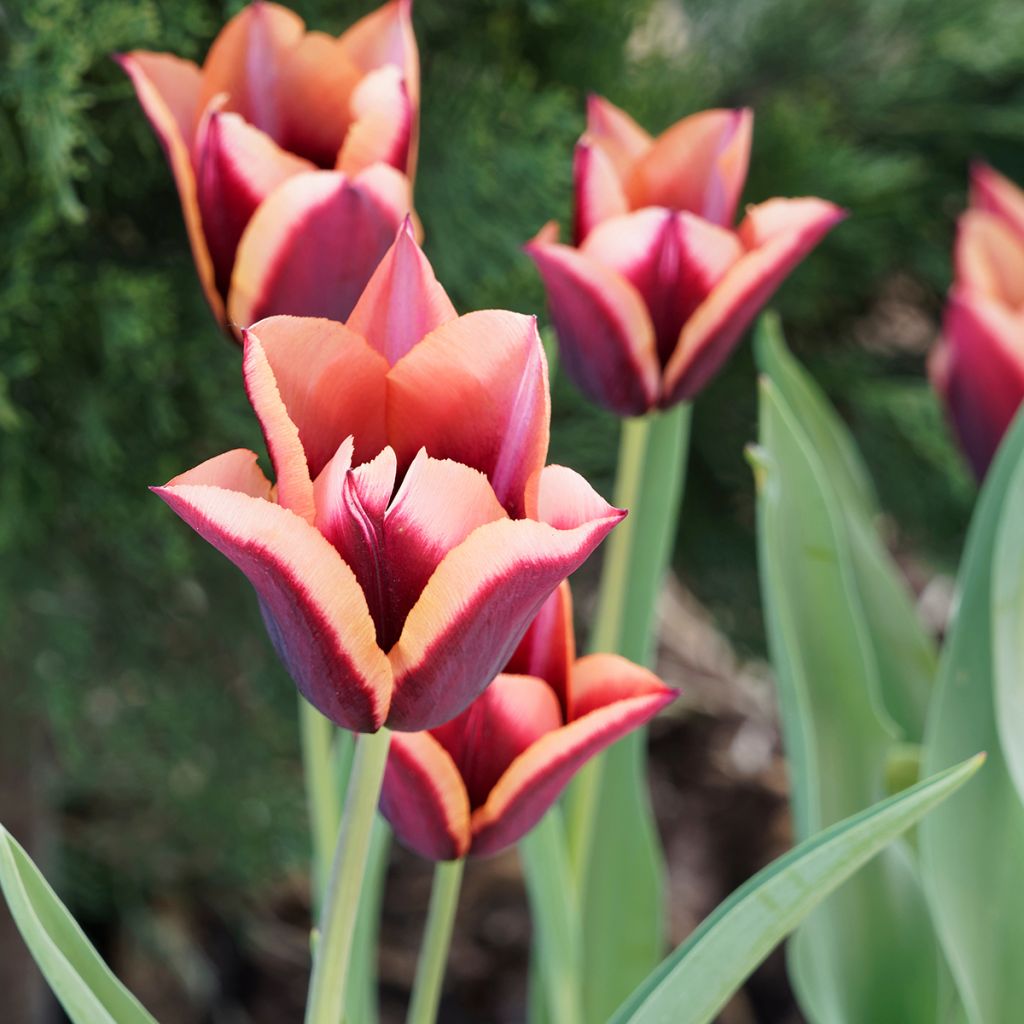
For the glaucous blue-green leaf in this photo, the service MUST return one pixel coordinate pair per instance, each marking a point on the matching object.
(870, 952)
(81, 981)
(697, 980)
(972, 852)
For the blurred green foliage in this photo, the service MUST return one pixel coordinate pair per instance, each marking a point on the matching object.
(171, 724)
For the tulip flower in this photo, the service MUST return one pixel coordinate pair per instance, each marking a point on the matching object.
(413, 531)
(482, 781)
(658, 286)
(978, 365)
(293, 154)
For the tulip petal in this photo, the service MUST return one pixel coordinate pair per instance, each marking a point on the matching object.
(989, 257)
(598, 190)
(600, 680)
(424, 799)
(403, 301)
(315, 611)
(382, 123)
(294, 486)
(605, 335)
(246, 59)
(548, 649)
(995, 193)
(777, 234)
(509, 716)
(385, 36)
(699, 164)
(314, 92)
(332, 384)
(439, 504)
(985, 372)
(474, 611)
(237, 167)
(619, 136)
(310, 249)
(537, 777)
(672, 259)
(475, 390)
(168, 89)
(237, 470)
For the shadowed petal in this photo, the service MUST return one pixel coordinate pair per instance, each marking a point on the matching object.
(672, 259)
(314, 92)
(403, 301)
(424, 798)
(382, 125)
(618, 135)
(246, 60)
(598, 190)
(313, 607)
(474, 611)
(491, 362)
(984, 376)
(699, 164)
(168, 89)
(294, 486)
(439, 504)
(990, 257)
(237, 167)
(548, 649)
(537, 777)
(605, 335)
(509, 716)
(991, 191)
(310, 249)
(237, 470)
(599, 680)
(331, 382)
(777, 234)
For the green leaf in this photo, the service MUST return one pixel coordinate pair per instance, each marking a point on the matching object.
(85, 986)
(972, 852)
(697, 980)
(830, 592)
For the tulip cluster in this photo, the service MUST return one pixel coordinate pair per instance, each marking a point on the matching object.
(413, 531)
(293, 153)
(978, 364)
(658, 286)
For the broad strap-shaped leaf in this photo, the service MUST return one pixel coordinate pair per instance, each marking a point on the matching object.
(973, 850)
(81, 981)
(869, 953)
(696, 981)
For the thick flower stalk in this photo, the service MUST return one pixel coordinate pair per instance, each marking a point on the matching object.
(413, 531)
(480, 782)
(978, 365)
(293, 153)
(658, 286)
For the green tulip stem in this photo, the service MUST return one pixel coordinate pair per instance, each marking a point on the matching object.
(323, 792)
(437, 937)
(649, 483)
(327, 985)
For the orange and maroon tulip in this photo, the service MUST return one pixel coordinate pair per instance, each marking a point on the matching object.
(978, 364)
(659, 287)
(413, 531)
(293, 153)
(483, 780)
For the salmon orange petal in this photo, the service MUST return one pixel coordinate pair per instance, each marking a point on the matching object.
(382, 123)
(597, 188)
(989, 257)
(994, 192)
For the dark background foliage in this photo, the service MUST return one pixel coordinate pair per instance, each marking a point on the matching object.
(133, 666)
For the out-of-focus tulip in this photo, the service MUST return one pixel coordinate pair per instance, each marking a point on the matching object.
(978, 364)
(482, 781)
(293, 153)
(659, 287)
(413, 531)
